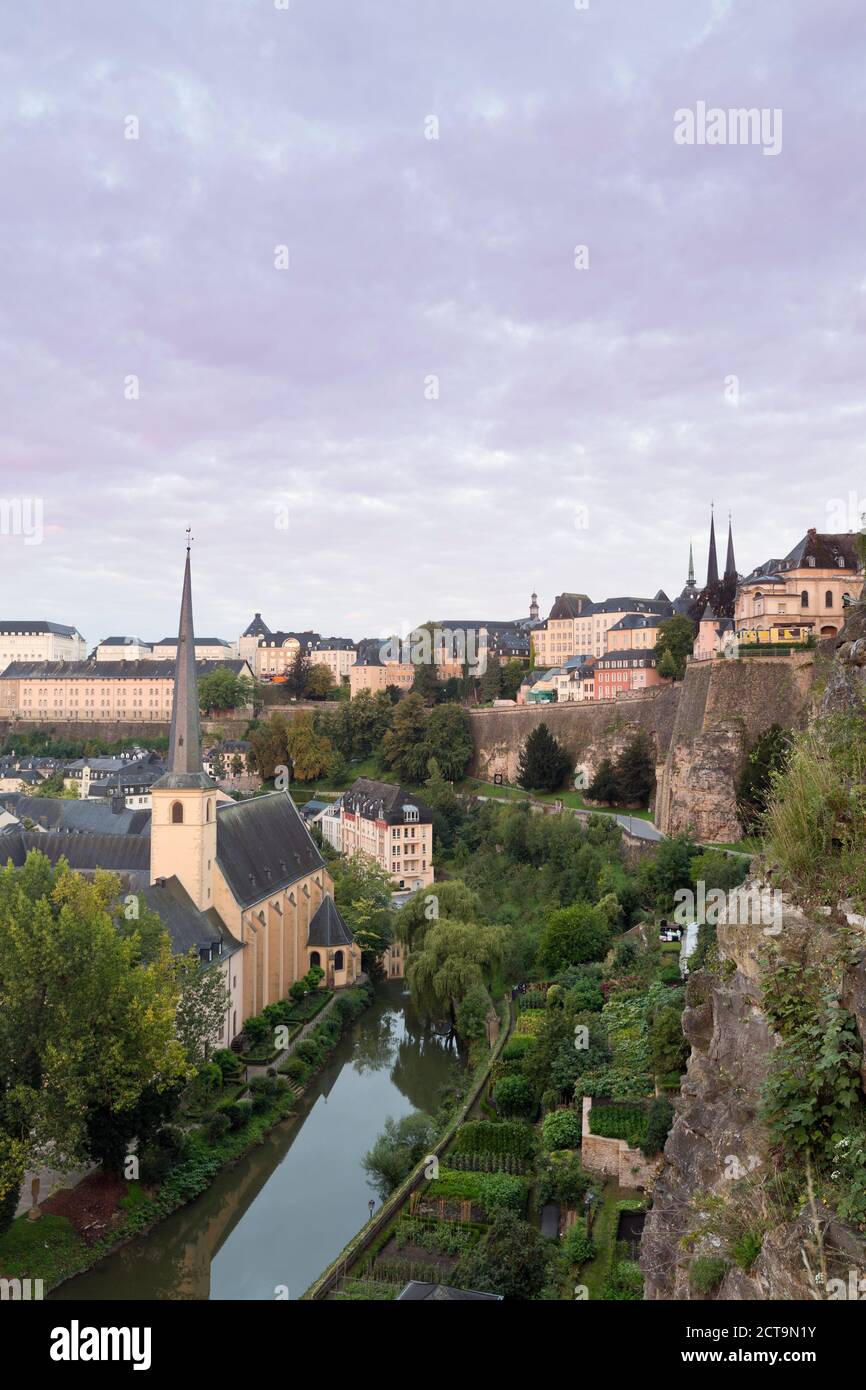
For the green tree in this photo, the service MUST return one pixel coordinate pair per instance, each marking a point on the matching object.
(371, 716)
(362, 892)
(404, 745)
(512, 1260)
(222, 689)
(512, 674)
(448, 740)
(201, 1007)
(451, 900)
(543, 761)
(668, 1048)
(397, 1150)
(490, 682)
(635, 772)
(269, 745)
(298, 673)
(668, 666)
(604, 786)
(86, 1022)
(425, 682)
(319, 682)
(310, 752)
(454, 958)
(471, 1014)
(572, 936)
(675, 636)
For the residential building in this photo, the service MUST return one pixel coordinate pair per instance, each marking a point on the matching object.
(393, 827)
(338, 654)
(123, 649)
(28, 640)
(555, 640)
(591, 627)
(272, 653)
(808, 589)
(619, 672)
(634, 632)
(370, 672)
(97, 691)
(206, 649)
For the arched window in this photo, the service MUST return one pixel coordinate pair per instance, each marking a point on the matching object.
(315, 959)
(176, 813)
(804, 599)
(339, 960)
(209, 809)
(828, 599)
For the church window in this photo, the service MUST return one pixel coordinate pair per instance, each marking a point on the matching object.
(828, 599)
(176, 813)
(315, 959)
(804, 599)
(339, 960)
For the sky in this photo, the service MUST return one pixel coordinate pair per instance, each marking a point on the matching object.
(411, 307)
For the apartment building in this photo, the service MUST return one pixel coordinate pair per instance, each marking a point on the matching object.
(206, 649)
(98, 691)
(29, 640)
(338, 654)
(123, 649)
(619, 672)
(391, 826)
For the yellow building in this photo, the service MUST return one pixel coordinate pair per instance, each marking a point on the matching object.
(392, 827)
(807, 590)
(97, 691)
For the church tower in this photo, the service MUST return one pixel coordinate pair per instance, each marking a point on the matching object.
(533, 609)
(730, 565)
(712, 561)
(183, 820)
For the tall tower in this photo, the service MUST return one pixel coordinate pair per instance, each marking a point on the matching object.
(533, 609)
(690, 582)
(712, 562)
(183, 819)
(730, 564)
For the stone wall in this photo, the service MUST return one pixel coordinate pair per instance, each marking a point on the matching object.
(701, 730)
(614, 1157)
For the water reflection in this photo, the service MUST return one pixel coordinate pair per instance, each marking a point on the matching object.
(282, 1213)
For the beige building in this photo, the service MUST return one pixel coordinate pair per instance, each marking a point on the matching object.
(272, 653)
(593, 626)
(338, 654)
(123, 649)
(96, 691)
(635, 632)
(206, 649)
(39, 641)
(369, 672)
(555, 640)
(806, 591)
(392, 827)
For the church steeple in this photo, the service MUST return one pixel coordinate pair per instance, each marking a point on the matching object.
(690, 582)
(730, 564)
(712, 561)
(183, 816)
(184, 747)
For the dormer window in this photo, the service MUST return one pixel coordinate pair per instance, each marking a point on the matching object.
(810, 561)
(410, 813)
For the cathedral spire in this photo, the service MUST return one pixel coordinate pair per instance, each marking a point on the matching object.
(712, 562)
(184, 749)
(690, 582)
(730, 565)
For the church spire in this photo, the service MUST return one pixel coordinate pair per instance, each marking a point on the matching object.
(690, 582)
(730, 565)
(184, 748)
(712, 562)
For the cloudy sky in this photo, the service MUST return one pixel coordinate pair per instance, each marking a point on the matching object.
(304, 276)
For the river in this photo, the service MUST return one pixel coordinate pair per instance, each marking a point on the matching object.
(279, 1217)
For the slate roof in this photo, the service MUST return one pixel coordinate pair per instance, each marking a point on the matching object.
(628, 604)
(199, 642)
(125, 854)
(263, 846)
(570, 606)
(382, 801)
(637, 620)
(101, 670)
(188, 928)
(327, 927)
(416, 1292)
(73, 818)
(257, 628)
(825, 548)
(24, 628)
(124, 642)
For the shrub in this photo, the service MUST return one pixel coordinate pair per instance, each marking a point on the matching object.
(513, 1095)
(561, 1129)
(516, 1048)
(560, 1178)
(747, 1248)
(626, 1122)
(237, 1115)
(496, 1137)
(659, 1121)
(217, 1126)
(577, 1246)
(625, 1282)
(309, 1051)
(294, 1068)
(706, 1273)
(502, 1192)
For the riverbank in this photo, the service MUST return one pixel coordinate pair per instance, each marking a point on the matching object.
(53, 1250)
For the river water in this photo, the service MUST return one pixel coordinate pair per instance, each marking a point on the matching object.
(279, 1217)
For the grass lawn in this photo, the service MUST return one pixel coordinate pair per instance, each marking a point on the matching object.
(604, 1228)
(45, 1249)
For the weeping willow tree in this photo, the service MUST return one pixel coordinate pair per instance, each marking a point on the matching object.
(455, 958)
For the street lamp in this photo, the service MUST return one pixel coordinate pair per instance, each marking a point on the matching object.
(371, 1204)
